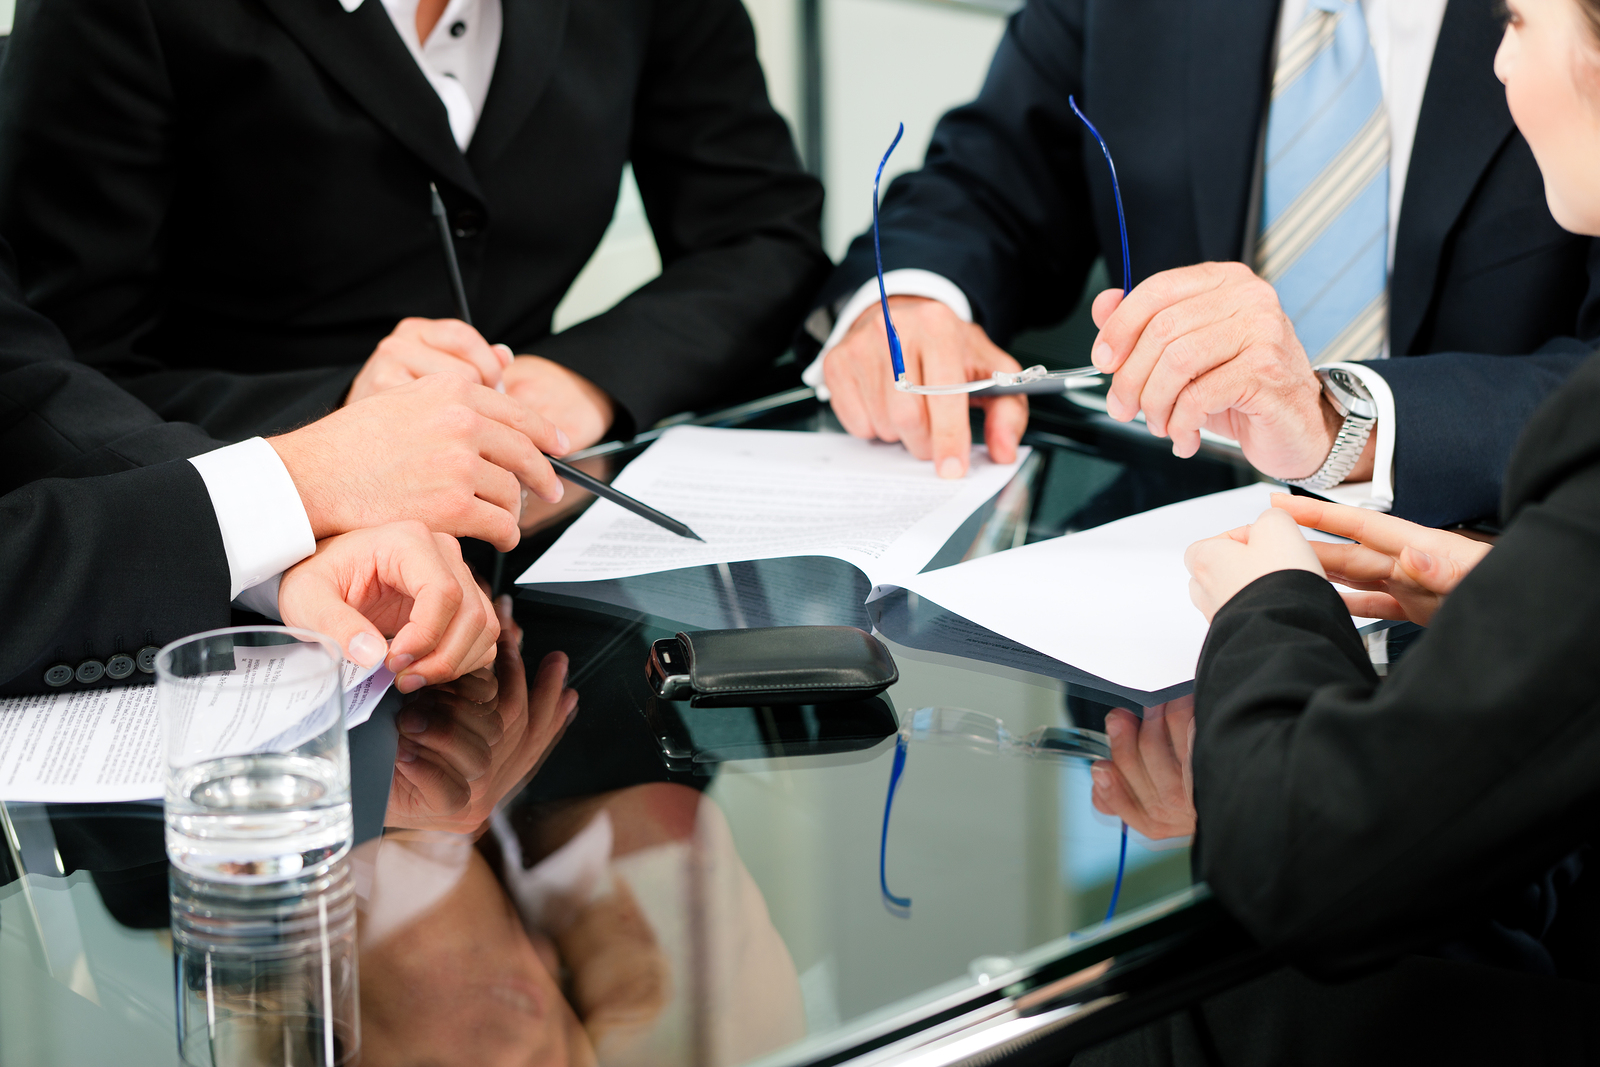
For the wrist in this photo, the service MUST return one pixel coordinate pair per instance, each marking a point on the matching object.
(298, 459)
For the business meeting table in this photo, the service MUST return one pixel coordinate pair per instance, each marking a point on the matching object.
(917, 878)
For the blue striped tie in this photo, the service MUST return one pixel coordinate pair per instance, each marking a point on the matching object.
(1325, 210)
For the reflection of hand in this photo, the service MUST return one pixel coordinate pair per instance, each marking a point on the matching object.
(1221, 566)
(562, 397)
(939, 349)
(1148, 783)
(420, 347)
(399, 580)
(1210, 346)
(458, 792)
(1399, 570)
(440, 450)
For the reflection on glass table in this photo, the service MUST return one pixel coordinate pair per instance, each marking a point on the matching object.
(637, 882)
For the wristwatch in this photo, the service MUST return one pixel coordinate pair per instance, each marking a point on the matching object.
(1351, 400)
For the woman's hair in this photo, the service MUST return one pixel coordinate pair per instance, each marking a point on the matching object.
(1591, 11)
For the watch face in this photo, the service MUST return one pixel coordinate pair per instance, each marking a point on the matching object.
(1348, 394)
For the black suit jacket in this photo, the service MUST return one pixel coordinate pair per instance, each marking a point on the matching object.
(1014, 203)
(242, 185)
(1343, 819)
(108, 541)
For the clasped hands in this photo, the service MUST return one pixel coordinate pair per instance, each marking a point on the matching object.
(1201, 347)
(426, 450)
(1394, 570)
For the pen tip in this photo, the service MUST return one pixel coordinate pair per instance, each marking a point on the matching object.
(694, 535)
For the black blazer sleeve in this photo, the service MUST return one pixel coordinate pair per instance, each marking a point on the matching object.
(117, 547)
(1343, 820)
(735, 218)
(94, 566)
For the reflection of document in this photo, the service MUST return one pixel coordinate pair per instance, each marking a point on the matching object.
(105, 744)
(1112, 601)
(764, 494)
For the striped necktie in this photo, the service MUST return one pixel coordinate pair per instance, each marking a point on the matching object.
(1325, 209)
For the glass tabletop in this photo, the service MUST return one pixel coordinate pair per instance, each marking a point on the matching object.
(660, 884)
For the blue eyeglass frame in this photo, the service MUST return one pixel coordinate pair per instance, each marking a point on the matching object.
(896, 355)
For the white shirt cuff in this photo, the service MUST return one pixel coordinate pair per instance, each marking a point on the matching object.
(264, 526)
(907, 281)
(1378, 494)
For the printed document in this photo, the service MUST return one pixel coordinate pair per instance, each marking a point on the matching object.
(1113, 600)
(765, 494)
(104, 745)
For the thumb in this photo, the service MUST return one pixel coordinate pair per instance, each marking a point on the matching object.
(321, 608)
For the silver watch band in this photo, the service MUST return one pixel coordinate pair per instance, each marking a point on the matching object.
(1350, 398)
(1347, 448)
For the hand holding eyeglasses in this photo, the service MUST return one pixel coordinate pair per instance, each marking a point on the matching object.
(1209, 346)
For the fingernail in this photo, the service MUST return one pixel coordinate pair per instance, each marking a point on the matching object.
(400, 661)
(1100, 355)
(367, 649)
(505, 354)
(405, 753)
(1423, 560)
(1114, 727)
(412, 721)
(1102, 777)
(951, 467)
(410, 683)
(572, 713)
(502, 607)
(562, 442)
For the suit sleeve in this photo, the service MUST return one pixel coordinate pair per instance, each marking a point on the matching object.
(1000, 207)
(1458, 416)
(736, 220)
(90, 566)
(1343, 820)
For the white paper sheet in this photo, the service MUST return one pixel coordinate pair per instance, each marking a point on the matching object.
(104, 745)
(1112, 601)
(762, 494)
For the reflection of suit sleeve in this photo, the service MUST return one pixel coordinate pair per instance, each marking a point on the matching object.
(1000, 207)
(1343, 820)
(735, 220)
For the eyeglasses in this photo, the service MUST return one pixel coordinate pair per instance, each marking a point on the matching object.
(978, 731)
(1000, 382)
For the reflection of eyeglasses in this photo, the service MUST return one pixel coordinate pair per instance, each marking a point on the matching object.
(1000, 382)
(980, 732)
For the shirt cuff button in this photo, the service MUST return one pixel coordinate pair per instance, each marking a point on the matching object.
(119, 666)
(58, 676)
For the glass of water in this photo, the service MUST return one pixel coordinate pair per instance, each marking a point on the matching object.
(257, 765)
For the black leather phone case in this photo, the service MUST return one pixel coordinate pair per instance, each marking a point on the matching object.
(782, 665)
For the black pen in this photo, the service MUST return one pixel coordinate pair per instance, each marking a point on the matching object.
(566, 470)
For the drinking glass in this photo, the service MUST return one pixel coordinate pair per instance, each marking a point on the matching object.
(257, 764)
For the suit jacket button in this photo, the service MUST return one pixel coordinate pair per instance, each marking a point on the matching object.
(119, 666)
(147, 659)
(468, 223)
(91, 670)
(58, 676)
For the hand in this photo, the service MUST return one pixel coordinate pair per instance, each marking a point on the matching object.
(1209, 346)
(400, 580)
(1221, 566)
(939, 349)
(562, 397)
(1399, 570)
(458, 795)
(1148, 782)
(440, 450)
(420, 347)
